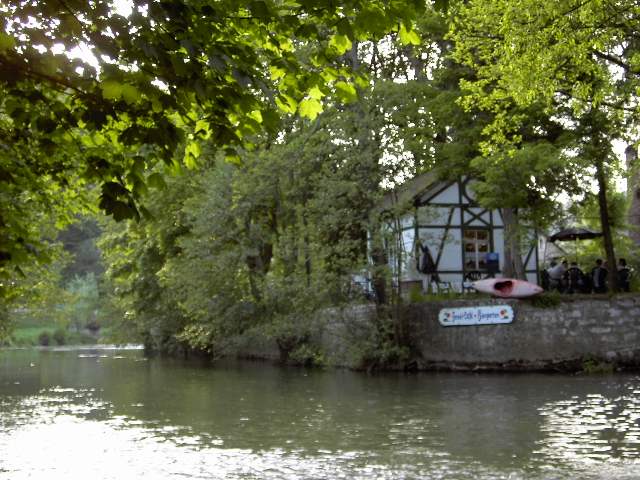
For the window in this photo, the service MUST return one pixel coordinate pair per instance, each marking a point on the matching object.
(476, 247)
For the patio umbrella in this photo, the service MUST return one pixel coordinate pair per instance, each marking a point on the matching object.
(573, 234)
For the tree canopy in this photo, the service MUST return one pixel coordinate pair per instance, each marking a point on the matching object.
(583, 54)
(577, 62)
(93, 97)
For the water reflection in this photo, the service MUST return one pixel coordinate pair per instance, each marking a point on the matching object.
(593, 428)
(113, 414)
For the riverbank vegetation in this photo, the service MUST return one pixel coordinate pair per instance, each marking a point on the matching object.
(242, 171)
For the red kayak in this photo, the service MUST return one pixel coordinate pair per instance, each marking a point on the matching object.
(507, 287)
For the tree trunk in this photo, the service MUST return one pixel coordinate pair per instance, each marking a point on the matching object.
(258, 266)
(513, 266)
(605, 226)
(307, 248)
(380, 265)
(370, 176)
(633, 194)
(597, 128)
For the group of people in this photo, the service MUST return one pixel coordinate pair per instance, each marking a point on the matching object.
(571, 279)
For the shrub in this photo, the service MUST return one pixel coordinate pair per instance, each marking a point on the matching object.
(386, 348)
(93, 326)
(546, 300)
(592, 365)
(60, 336)
(307, 356)
(44, 339)
(416, 295)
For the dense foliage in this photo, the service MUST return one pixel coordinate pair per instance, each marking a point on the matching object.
(100, 100)
(151, 85)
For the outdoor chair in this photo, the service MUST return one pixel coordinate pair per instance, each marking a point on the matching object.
(443, 287)
(469, 278)
(440, 286)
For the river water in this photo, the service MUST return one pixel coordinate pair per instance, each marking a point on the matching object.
(112, 414)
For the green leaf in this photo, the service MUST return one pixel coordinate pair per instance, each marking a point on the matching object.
(328, 75)
(441, 5)
(146, 214)
(276, 72)
(233, 158)
(111, 89)
(362, 81)
(121, 210)
(139, 165)
(346, 92)
(255, 115)
(139, 188)
(408, 37)
(191, 154)
(307, 30)
(202, 128)
(344, 27)
(50, 64)
(130, 94)
(310, 108)
(20, 271)
(259, 9)
(156, 105)
(270, 120)
(372, 20)
(286, 103)
(316, 93)
(114, 190)
(7, 42)
(339, 44)
(156, 181)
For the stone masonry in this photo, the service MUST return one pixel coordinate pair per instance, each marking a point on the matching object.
(561, 337)
(558, 338)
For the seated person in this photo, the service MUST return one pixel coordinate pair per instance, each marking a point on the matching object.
(624, 276)
(556, 274)
(574, 279)
(544, 279)
(599, 277)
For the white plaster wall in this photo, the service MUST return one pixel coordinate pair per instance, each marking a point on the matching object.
(497, 218)
(451, 258)
(406, 221)
(433, 215)
(498, 244)
(450, 195)
(469, 189)
(477, 222)
(531, 264)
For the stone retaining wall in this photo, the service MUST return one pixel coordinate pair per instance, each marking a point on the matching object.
(561, 337)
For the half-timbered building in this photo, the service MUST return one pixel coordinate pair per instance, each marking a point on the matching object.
(442, 219)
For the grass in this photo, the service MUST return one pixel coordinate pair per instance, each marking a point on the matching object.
(595, 366)
(26, 336)
(30, 331)
(27, 329)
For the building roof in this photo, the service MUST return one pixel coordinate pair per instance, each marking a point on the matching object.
(409, 190)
